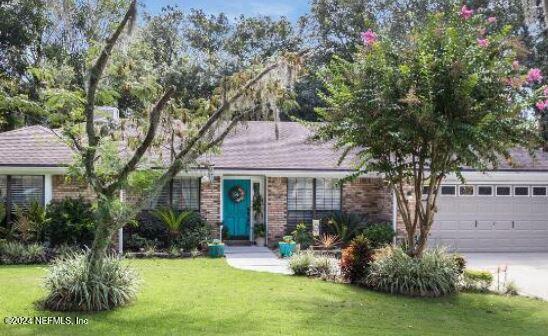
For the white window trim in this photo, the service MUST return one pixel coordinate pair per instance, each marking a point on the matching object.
(485, 185)
(468, 185)
(539, 186)
(521, 186)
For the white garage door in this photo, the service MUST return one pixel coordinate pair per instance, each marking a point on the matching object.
(492, 218)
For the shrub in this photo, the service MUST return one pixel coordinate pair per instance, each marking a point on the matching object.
(393, 271)
(300, 262)
(70, 221)
(380, 234)
(356, 258)
(72, 287)
(324, 266)
(511, 289)
(302, 235)
(477, 280)
(172, 220)
(344, 225)
(12, 253)
(259, 230)
(195, 232)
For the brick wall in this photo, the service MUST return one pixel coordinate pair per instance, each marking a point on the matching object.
(63, 188)
(276, 208)
(210, 203)
(368, 197)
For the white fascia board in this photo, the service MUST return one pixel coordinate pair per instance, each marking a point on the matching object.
(10, 170)
(501, 177)
(276, 173)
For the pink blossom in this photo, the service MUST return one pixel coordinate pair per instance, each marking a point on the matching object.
(515, 65)
(466, 13)
(491, 19)
(534, 75)
(484, 43)
(369, 37)
(482, 31)
(541, 105)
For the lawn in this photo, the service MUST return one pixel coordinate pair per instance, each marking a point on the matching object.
(207, 297)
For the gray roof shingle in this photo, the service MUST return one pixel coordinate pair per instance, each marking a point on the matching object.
(252, 146)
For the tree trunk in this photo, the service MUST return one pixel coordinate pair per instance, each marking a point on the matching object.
(106, 226)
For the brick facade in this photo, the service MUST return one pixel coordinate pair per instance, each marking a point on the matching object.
(276, 194)
(65, 188)
(368, 197)
(210, 203)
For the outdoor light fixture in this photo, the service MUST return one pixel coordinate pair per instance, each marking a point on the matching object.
(210, 175)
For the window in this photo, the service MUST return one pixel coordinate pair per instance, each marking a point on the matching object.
(539, 191)
(328, 194)
(299, 193)
(466, 190)
(521, 191)
(503, 191)
(20, 191)
(180, 193)
(3, 189)
(186, 193)
(448, 190)
(485, 190)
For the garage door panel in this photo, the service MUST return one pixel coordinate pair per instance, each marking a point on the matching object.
(491, 223)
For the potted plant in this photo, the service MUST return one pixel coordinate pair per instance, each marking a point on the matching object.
(287, 246)
(216, 248)
(302, 236)
(259, 232)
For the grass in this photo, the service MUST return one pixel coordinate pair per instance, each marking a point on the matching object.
(207, 297)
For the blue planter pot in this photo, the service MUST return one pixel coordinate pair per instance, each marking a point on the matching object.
(286, 249)
(216, 251)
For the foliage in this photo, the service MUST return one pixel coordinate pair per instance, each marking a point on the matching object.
(70, 221)
(379, 234)
(324, 266)
(29, 224)
(195, 232)
(300, 262)
(476, 280)
(172, 220)
(448, 94)
(432, 275)
(13, 252)
(216, 242)
(72, 287)
(511, 289)
(327, 241)
(288, 239)
(460, 262)
(259, 230)
(345, 225)
(302, 235)
(356, 259)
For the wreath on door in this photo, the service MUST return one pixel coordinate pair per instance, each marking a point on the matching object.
(236, 194)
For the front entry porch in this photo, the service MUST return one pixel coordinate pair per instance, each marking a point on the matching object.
(242, 206)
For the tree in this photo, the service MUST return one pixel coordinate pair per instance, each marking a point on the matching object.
(107, 173)
(450, 95)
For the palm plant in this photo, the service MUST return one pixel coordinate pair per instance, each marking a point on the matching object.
(328, 241)
(172, 221)
(345, 225)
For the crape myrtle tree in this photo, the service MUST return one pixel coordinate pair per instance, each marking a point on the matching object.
(448, 95)
(107, 170)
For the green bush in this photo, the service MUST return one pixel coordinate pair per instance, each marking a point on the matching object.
(393, 271)
(70, 221)
(300, 262)
(72, 287)
(195, 232)
(474, 280)
(380, 234)
(13, 253)
(344, 225)
(356, 258)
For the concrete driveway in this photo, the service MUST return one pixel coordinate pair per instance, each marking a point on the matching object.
(528, 270)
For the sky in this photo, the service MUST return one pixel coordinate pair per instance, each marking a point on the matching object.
(292, 9)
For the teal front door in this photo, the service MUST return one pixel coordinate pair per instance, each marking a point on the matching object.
(236, 202)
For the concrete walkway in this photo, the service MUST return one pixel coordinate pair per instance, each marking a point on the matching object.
(528, 270)
(253, 258)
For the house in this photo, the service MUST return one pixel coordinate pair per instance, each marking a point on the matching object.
(283, 181)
